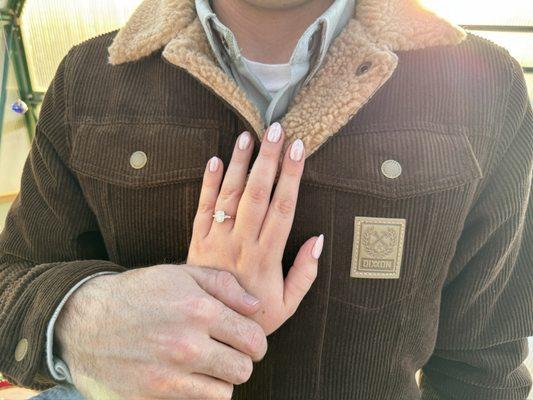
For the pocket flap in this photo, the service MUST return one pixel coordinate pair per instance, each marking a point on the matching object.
(395, 162)
(170, 152)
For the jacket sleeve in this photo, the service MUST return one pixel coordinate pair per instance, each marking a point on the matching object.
(486, 310)
(50, 242)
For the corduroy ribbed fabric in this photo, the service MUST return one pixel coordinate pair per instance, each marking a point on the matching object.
(457, 119)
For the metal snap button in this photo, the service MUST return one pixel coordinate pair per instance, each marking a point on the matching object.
(21, 350)
(391, 169)
(138, 159)
(363, 68)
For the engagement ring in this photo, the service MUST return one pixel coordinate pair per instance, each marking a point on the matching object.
(219, 216)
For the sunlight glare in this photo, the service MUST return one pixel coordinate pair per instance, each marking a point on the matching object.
(487, 12)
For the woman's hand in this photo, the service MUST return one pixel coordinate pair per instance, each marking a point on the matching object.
(251, 244)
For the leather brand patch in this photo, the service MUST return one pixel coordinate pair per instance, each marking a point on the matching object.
(377, 248)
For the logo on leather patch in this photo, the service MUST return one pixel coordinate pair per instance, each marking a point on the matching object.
(377, 248)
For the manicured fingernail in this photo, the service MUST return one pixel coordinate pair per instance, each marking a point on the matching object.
(244, 140)
(317, 248)
(274, 132)
(213, 164)
(297, 150)
(249, 299)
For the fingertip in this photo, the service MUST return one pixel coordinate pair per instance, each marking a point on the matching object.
(214, 170)
(317, 248)
(297, 151)
(214, 164)
(294, 158)
(244, 140)
(274, 133)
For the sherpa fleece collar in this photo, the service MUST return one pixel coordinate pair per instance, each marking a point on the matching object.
(359, 61)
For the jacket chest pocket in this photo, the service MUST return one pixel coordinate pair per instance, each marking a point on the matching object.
(143, 182)
(426, 175)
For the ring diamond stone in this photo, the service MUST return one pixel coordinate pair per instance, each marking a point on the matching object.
(220, 216)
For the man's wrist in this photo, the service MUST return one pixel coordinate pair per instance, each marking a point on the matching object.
(56, 366)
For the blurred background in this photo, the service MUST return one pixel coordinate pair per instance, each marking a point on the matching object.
(37, 34)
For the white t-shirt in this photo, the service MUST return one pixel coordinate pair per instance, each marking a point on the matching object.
(272, 76)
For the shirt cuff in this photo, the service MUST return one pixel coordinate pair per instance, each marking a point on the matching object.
(57, 367)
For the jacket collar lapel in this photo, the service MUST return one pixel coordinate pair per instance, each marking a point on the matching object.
(359, 61)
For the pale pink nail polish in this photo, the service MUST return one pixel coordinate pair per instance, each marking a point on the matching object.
(213, 164)
(274, 132)
(244, 140)
(297, 150)
(317, 248)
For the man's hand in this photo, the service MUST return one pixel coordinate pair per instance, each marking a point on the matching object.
(163, 332)
(251, 245)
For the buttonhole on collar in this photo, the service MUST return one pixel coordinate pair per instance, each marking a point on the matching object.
(363, 68)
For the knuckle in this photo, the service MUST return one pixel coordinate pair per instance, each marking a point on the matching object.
(225, 317)
(269, 153)
(256, 340)
(190, 388)
(218, 362)
(291, 171)
(309, 276)
(258, 194)
(185, 351)
(302, 285)
(210, 181)
(226, 392)
(199, 308)
(244, 369)
(230, 193)
(155, 381)
(242, 332)
(195, 389)
(223, 391)
(205, 208)
(160, 340)
(284, 207)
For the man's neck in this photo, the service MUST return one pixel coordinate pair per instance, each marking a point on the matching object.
(268, 35)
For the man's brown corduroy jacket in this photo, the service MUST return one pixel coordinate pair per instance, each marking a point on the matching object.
(398, 84)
